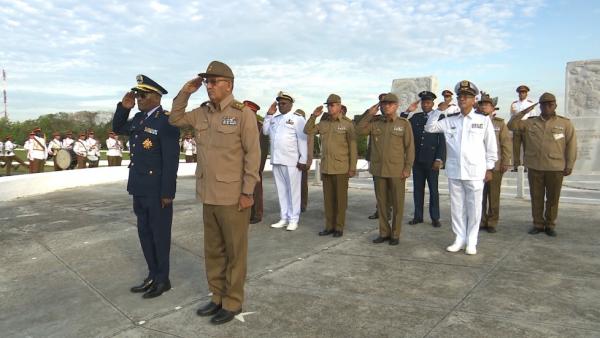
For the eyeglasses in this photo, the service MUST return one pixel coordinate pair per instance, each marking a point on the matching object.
(212, 82)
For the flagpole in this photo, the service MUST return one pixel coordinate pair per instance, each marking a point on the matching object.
(4, 93)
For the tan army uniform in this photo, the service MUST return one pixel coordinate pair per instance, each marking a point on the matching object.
(551, 148)
(491, 189)
(392, 152)
(228, 163)
(339, 155)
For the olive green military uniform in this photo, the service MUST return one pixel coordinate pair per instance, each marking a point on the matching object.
(392, 152)
(228, 163)
(491, 189)
(339, 155)
(551, 148)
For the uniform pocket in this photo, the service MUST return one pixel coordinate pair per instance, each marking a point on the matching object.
(228, 177)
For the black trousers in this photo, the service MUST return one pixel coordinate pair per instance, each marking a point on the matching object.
(422, 173)
(154, 231)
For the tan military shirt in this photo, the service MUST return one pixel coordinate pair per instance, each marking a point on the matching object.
(392, 144)
(549, 144)
(338, 142)
(228, 148)
(503, 142)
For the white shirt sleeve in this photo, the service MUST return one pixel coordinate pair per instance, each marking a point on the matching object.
(435, 126)
(266, 128)
(302, 140)
(491, 148)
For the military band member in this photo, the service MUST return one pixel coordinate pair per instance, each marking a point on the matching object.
(392, 156)
(67, 142)
(80, 147)
(491, 190)
(256, 213)
(338, 161)
(550, 155)
(227, 172)
(471, 157)
(114, 153)
(288, 157)
(10, 156)
(154, 160)
(37, 151)
(53, 147)
(430, 154)
(93, 147)
(517, 106)
(448, 107)
(188, 148)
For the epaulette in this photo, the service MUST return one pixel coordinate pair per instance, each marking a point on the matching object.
(454, 114)
(237, 105)
(531, 117)
(298, 114)
(204, 104)
(378, 118)
(347, 118)
(563, 117)
(404, 118)
(480, 113)
(260, 118)
(498, 118)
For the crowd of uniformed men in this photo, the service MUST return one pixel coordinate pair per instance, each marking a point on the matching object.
(231, 141)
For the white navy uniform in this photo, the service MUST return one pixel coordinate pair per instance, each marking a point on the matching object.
(288, 148)
(518, 106)
(471, 150)
(452, 109)
(188, 147)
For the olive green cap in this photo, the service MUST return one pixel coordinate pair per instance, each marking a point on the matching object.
(547, 97)
(389, 97)
(333, 98)
(217, 68)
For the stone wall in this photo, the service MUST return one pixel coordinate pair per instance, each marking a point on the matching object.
(408, 89)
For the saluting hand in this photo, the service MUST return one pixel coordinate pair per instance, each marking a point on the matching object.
(128, 100)
(245, 202)
(272, 109)
(318, 111)
(192, 86)
(443, 106)
(413, 106)
(373, 109)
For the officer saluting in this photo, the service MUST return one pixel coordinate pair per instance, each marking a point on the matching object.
(152, 177)
(226, 174)
(430, 154)
(472, 154)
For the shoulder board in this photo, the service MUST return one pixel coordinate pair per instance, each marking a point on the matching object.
(298, 114)
(562, 117)
(205, 103)
(403, 118)
(454, 114)
(260, 118)
(480, 113)
(498, 118)
(237, 105)
(528, 100)
(347, 119)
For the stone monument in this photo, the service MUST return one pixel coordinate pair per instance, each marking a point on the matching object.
(582, 106)
(408, 89)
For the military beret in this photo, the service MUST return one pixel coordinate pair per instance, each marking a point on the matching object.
(466, 87)
(427, 95)
(253, 106)
(285, 96)
(333, 98)
(447, 92)
(217, 68)
(547, 97)
(146, 84)
(390, 97)
(522, 88)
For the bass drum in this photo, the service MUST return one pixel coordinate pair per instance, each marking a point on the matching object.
(66, 159)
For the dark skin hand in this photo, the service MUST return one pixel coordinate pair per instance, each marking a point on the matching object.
(128, 100)
(166, 202)
(437, 165)
(567, 171)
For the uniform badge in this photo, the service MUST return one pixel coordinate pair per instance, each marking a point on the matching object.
(290, 122)
(229, 121)
(477, 126)
(151, 131)
(147, 143)
(341, 128)
(398, 128)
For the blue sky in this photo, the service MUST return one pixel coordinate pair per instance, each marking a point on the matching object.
(84, 55)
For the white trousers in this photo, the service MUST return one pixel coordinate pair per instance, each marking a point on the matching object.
(288, 181)
(465, 206)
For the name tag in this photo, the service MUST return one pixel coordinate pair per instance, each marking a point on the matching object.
(558, 136)
(341, 128)
(398, 128)
(229, 121)
(151, 131)
(477, 126)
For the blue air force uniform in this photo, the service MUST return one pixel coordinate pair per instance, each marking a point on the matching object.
(154, 152)
(429, 147)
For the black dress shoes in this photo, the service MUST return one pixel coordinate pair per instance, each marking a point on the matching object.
(326, 232)
(380, 239)
(255, 220)
(535, 231)
(338, 233)
(208, 309)
(415, 221)
(223, 316)
(394, 241)
(146, 284)
(491, 230)
(436, 223)
(157, 289)
(549, 232)
(374, 216)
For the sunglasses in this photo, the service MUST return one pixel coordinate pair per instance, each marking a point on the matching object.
(212, 82)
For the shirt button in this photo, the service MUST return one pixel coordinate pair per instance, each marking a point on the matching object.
(136, 136)
(150, 172)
